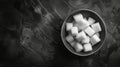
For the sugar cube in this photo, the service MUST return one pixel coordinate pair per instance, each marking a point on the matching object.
(91, 20)
(72, 43)
(78, 47)
(98, 34)
(69, 26)
(89, 31)
(87, 47)
(86, 40)
(82, 24)
(74, 31)
(96, 27)
(94, 39)
(69, 38)
(81, 36)
(78, 17)
(77, 25)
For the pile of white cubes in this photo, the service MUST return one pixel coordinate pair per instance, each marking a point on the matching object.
(83, 33)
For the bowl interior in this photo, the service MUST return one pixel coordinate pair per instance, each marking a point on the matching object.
(86, 14)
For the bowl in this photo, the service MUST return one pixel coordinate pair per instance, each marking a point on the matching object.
(86, 13)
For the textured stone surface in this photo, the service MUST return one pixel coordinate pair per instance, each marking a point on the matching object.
(30, 33)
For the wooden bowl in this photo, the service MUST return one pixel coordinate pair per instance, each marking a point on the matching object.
(86, 13)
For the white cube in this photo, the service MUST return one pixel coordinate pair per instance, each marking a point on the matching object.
(87, 47)
(74, 31)
(86, 40)
(89, 31)
(81, 36)
(96, 27)
(82, 24)
(94, 39)
(69, 38)
(73, 43)
(98, 34)
(69, 26)
(91, 20)
(78, 26)
(78, 47)
(78, 17)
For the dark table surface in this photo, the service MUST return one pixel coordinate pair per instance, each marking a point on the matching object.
(30, 33)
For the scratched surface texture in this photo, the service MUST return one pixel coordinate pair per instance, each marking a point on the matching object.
(30, 33)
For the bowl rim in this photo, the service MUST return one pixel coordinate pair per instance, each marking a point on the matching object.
(65, 41)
